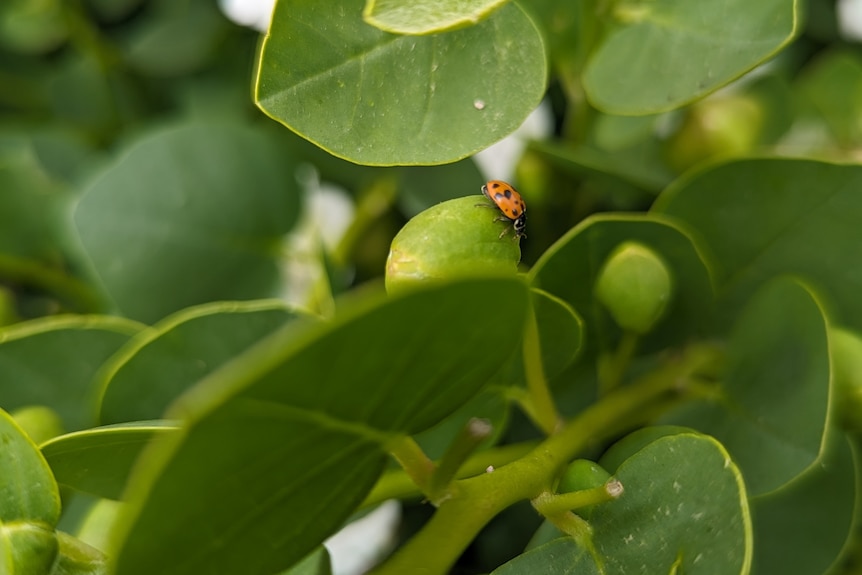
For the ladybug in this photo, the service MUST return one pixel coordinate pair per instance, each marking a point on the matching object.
(510, 203)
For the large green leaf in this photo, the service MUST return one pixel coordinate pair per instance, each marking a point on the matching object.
(28, 492)
(801, 528)
(53, 362)
(283, 443)
(375, 98)
(98, 461)
(427, 16)
(684, 510)
(759, 218)
(663, 54)
(568, 270)
(189, 214)
(157, 366)
(772, 411)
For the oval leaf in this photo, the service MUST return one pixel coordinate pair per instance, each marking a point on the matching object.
(773, 409)
(379, 99)
(189, 214)
(53, 362)
(28, 492)
(684, 501)
(98, 461)
(765, 217)
(283, 443)
(155, 368)
(662, 55)
(569, 269)
(427, 17)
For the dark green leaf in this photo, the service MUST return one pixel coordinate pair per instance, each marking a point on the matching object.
(569, 268)
(155, 368)
(675, 51)
(99, 461)
(53, 362)
(375, 98)
(760, 218)
(189, 214)
(772, 410)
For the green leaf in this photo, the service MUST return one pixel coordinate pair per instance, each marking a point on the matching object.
(189, 214)
(379, 99)
(99, 461)
(421, 187)
(53, 362)
(28, 492)
(760, 218)
(317, 563)
(801, 528)
(427, 17)
(156, 367)
(773, 407)
(283, 443)
(675, 51)
(27, 548)
(78, 558)
(684, 502)
(830, 86)
(569, 268)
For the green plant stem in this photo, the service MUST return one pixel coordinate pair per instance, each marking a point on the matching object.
(555, 503)
(396, 484)
(479, 499)
(617, 365)
(414, 462)
(465, 443)
(542, 409)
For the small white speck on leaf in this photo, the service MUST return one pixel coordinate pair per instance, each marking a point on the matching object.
(489, 469)
(479, 104)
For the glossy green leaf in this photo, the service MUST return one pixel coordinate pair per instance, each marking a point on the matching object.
(801, 528)
(156, 367)
(374, 98)
(675, 51)
(760, 218)
(28, 492)
(189, 214)
(569, 268)
(27, 548)
(684, 501)
(283, 443)
(772, 411)
(53, 362)
(99, 461)
(427, 16)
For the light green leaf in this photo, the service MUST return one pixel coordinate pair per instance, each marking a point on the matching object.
(284, 442)
(772, 411)
(684, 501)
(153, 369)
(663, 54)
(99, 461)
(53, 362)
(427, 17)
(78, 558)
(28, 492)
(189, 214)
(760, 218)
(379, 99)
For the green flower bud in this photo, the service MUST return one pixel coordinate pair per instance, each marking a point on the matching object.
(846, 350)
(582, 474)
(453, 239)
(635, 286)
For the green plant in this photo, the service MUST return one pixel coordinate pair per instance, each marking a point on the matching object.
(663, 378)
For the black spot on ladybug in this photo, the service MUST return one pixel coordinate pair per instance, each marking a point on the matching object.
(515, 212)
(495, 185)
(508, 194)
